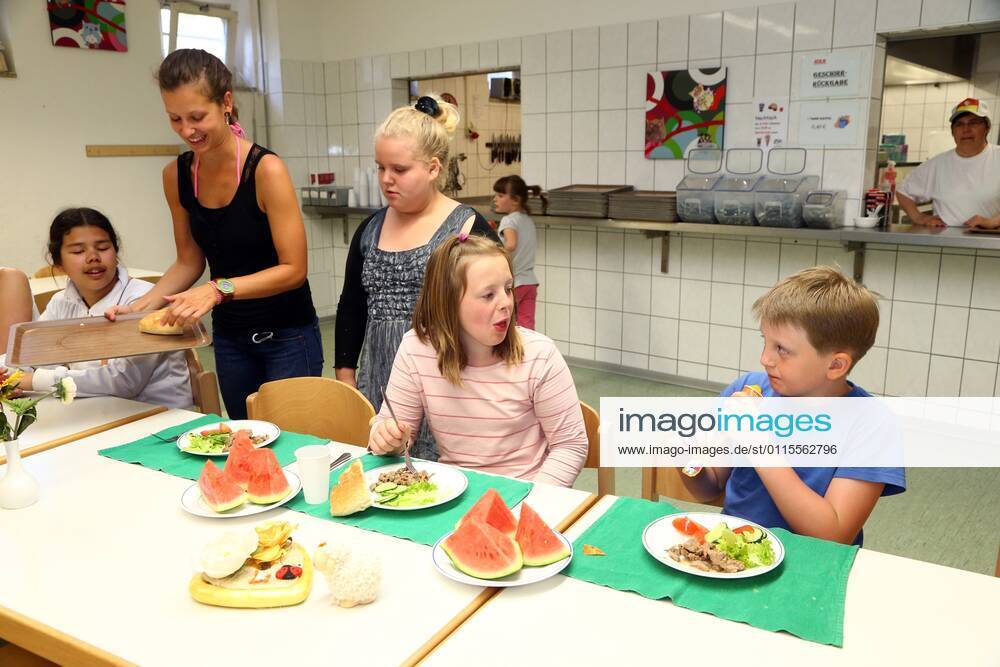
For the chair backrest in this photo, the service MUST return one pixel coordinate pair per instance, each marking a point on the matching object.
(48, 271)
(204, 385)
(605, 476)
(320, 406)
(42, 299)
(667, 482)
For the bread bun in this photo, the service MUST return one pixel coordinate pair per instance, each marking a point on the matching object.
(153, 324)
(350, 494)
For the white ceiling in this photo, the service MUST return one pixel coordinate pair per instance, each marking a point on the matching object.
(903, 73)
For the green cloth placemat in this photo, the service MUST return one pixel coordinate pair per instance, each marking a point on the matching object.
(159, 454)
(803, 596)
(422, 526)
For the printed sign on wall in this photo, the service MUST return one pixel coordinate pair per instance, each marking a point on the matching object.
(830, 75)
(770, 122)
(88, 24)
(833, 123)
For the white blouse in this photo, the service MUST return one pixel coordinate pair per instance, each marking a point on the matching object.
(161, 379)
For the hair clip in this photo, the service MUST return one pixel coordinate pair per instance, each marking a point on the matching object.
(428, 105)
(463, 237)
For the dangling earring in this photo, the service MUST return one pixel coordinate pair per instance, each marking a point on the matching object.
(228, 119)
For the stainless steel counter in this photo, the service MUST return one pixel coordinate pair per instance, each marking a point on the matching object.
(949, 237)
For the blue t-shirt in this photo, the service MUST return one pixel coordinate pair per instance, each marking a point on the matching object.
(747, 497)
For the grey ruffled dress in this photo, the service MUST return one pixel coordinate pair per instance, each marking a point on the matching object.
(393, 281)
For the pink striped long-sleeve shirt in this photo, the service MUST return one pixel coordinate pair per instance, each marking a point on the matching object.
(523, 420)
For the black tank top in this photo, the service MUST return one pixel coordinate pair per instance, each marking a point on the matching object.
(236, 240)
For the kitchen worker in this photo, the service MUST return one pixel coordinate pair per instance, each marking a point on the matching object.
(963, 184)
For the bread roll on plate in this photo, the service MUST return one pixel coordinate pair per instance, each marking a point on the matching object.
(153, 324)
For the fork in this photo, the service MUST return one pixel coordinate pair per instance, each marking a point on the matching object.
(406, 448)
(339, 460)
(165, 439)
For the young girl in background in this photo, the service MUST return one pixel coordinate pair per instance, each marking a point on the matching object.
(83, 243)
(496, 397)
(518, 232)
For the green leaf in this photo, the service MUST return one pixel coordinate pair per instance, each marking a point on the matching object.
(26, 420)
(20, 405)
(4, 427)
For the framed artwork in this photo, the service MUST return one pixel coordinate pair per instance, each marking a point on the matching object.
(684, 109)
(88, 24)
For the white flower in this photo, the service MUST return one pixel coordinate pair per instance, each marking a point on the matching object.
(65, 390)
(227, 553)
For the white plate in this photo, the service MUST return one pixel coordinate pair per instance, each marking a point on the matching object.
(660, 535)
(526, 575)
(191, 501)
(451, 483)
(255, 427)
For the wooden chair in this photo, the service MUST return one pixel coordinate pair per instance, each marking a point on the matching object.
(204, 385)
(42, 299)
(605, 476)
(320, 406)
(667, 482)
(48, 271)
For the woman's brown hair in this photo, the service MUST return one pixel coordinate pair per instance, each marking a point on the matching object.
(435, 318)
(185, 66)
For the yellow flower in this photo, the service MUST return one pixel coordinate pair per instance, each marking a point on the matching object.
(12, 379)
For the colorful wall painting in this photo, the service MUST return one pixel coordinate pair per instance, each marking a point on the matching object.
(684, 109)
(88, 24)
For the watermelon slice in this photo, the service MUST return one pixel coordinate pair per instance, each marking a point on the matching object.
(480, 550)
(218, 491)
(268, 483)
(238, 462)
(539, 544)
(491, 509)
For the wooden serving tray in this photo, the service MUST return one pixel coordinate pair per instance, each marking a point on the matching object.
(90, 338)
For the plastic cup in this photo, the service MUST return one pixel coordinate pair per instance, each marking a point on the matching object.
(314, 469)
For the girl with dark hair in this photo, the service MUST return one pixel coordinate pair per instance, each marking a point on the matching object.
(233, 204)
(518, 232)
(83, 243)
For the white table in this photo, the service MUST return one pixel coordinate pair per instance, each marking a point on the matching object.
(59, 424)
(898, 612)
(106, 554)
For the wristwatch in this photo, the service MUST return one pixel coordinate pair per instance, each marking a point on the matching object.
(225, 290)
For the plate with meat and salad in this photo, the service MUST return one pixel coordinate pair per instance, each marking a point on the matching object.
(393, 487)
(717, 546)
(216, 439)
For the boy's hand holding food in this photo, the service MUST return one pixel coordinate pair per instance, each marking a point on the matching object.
(388, 437)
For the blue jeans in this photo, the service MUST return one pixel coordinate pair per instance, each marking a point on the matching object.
(247, 361)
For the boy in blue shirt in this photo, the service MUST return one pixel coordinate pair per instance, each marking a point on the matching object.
(816, 324)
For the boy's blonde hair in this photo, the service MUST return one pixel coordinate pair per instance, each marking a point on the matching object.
(435, 318)
(836, 313)
(431, 134)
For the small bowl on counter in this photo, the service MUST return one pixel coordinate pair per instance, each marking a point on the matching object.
(866, 222)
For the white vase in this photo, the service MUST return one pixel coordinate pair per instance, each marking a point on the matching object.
(17, 488)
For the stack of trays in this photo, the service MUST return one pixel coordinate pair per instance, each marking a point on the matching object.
(537, 204)
(585, 201)
(643, 205)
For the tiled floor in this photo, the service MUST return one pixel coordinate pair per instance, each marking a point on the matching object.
(946, 516)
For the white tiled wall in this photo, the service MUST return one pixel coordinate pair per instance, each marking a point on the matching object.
(602, 295)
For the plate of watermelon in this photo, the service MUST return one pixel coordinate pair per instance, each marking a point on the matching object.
(251, 482)
(493, 548)
(217, 439)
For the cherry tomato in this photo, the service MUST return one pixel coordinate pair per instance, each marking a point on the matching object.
(743, 529)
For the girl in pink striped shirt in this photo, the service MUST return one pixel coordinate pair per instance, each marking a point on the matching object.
(498, 398)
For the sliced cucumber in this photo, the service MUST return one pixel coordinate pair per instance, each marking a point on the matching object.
(384, 486)
(717, 532)
(753, 535)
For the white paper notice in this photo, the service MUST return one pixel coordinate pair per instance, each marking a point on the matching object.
(830, 75)
(833, 123)
(770, 122)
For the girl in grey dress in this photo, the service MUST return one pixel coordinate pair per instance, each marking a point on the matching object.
(381, 286)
